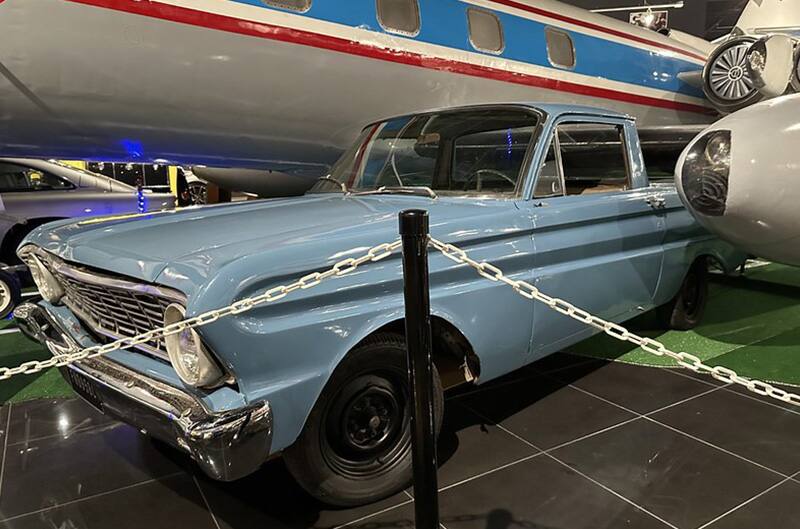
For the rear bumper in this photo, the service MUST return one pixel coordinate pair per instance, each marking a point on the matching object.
(226, 445)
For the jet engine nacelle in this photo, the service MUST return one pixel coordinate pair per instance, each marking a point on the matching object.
(740, 179)
(744, 70)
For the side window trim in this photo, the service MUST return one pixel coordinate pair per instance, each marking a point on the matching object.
(556, 145)
(589, 120)
(397, 31)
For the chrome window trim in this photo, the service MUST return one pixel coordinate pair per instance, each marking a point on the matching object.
(623, 145)
(548, 30)
(390, 29)
(499, 25)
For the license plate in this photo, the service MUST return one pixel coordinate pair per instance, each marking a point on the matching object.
(85, 387)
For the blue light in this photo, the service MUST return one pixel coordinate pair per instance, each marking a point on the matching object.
(510, 142)
(141, 200)
(132, 147)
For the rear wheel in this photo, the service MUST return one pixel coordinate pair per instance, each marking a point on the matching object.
(356, 445)
(686, 309)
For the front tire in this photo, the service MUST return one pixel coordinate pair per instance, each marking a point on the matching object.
(10, 293)
(686, 309)
(356, 445)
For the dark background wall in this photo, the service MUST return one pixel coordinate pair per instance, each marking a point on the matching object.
(704, 18)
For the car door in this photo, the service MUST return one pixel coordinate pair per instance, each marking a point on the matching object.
(597, 232)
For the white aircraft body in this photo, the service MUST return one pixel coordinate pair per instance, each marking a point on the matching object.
(287, 84)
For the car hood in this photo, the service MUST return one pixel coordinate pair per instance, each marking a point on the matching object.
(191, 244)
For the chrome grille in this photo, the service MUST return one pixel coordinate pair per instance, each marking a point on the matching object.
(114, 307)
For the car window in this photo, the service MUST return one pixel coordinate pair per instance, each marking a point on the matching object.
(490, 161)
(485, 30)
(560, 50)
(548, 183)
(399, 16)
(482, 150)
(18, 178)
(594, 158)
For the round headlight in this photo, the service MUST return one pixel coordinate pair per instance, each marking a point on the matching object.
(718, 149)
(187, 354)
(705, 171)
(49, 287)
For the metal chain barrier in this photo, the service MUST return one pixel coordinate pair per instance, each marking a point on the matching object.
(345, 266)
(614, 330)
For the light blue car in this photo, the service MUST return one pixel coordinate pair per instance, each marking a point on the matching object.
(555, 195)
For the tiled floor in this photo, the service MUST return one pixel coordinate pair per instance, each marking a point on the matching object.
(566, 443)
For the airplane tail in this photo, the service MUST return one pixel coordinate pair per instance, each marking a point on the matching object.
(770, 16)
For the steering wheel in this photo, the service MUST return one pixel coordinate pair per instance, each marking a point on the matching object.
(477, 175)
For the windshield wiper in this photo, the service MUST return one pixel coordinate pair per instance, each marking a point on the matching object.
(409, 190)
(341, 185)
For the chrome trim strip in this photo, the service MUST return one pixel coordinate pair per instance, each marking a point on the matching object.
(103, 280)
(99, 279)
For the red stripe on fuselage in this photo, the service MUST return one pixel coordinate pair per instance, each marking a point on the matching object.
(596, 27)
(184, 15)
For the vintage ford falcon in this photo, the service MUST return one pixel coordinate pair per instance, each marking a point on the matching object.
(555, 195)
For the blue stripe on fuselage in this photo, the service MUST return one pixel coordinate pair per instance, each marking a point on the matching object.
(444, 23)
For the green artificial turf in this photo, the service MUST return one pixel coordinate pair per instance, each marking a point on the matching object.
(16, 349)
(751, 325)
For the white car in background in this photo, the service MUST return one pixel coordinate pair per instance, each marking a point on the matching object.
(34, 192)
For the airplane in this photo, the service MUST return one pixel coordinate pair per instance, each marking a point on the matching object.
(739, 179)
(285, 85)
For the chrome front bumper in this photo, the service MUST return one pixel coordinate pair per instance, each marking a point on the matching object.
(227, 445)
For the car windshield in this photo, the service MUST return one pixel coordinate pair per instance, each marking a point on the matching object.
(471, 151)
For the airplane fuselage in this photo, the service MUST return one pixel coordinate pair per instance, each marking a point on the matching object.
(243, 83)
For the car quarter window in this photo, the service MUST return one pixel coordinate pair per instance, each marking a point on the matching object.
(16, 178)
(584, 158)
(399, 16)
(549, 183)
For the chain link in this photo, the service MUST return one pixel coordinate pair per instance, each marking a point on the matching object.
(614, 330)
(343, 267)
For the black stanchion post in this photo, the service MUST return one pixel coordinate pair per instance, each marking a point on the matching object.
(414, 234)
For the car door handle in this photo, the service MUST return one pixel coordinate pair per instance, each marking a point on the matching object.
(656, 201)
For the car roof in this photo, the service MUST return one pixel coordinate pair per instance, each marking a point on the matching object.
(551, 109)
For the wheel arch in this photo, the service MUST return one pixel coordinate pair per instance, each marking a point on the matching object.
(14, 236)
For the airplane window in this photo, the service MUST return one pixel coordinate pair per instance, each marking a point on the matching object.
(560, 49)
(594, 158)
(292, 5)
(399, 16)
(485, 31)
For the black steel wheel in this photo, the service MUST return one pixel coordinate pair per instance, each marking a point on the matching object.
(198, 193)
(356, 445)
(686, 309)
